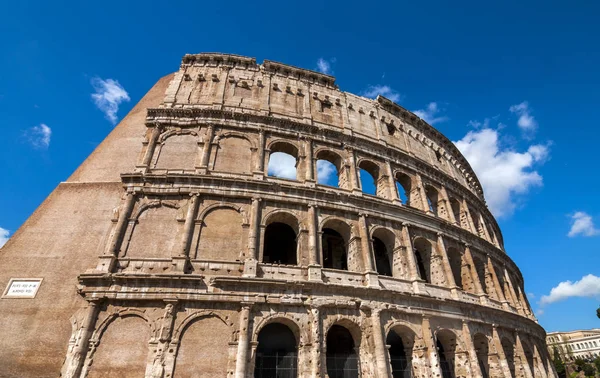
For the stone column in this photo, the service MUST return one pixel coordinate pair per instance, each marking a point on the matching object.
(380, 349)
(499, 290)
(354, 184)
(524, 305)
(309, 162)
(473, 359)
(76, 357)
(511, 290)
(423, 195)
(473, 270)
(449, 211)
(260, 158)
(392, 184)
(253, 238)
(366, 244)
(188, 226)
(539, 362)
(469, 218)
(450, 282)
(314, 264)
(410, 253)
(316, 342)
(500, 351)
(151, 147)
(523, 359)
(210, 131)
(486, 234)
(243, 342)
(121, 226)
(434, 361)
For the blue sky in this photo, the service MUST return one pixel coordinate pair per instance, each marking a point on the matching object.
(514, 83)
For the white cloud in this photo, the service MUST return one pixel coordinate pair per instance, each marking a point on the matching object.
(530, 296)
(582, 224)
(429, 114)
(587, 286)
(539, 312)
(373, 90)
(526, 122)
(325, 170)
(109, 95)
(39, 136)
(282, 165)
(504, 174)
(3, 236)
(324, 66)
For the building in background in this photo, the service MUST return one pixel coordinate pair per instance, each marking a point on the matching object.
(172, 252)
(575, 344)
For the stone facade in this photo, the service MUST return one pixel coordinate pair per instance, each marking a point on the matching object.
(171, 252)
(575, 344)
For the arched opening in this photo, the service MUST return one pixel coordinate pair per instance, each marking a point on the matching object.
(382, 258)
(423, 257)
(329, 166)
(369, 175)
(283, 161)
(476, 222)
(528, 351)
(432, 199)
(481, 344)
(404, 186)
(455, 205)
(455, 260)
(509, 353)
(335, 253)
(446, 346)
(177, 152)
(400, 352)
(341, 356)
(280, 244)
(276, 354)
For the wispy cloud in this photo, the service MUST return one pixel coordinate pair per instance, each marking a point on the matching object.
(282, 165)
(587, 286)
(325, 171)
(373, 90)
(109, 95)
(39, 136)
(324, 66)
(430, 114)
(505, 174)
(526, 122)
(3, 236)
(582, 225)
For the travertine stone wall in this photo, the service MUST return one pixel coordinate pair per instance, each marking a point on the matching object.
(165, 272)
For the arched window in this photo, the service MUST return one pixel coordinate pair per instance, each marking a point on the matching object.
(509, 352)
(481, 344)
(280, 244)
(382, 258)
(329, 169)
(404, 186)
(369, 176)
(276, 354)
(455, 260)
(283, 161)
(432, 199)
(423, 257)
(341, 356)
(455, 205)
(446, 345)
(400, 346)
(335, 254)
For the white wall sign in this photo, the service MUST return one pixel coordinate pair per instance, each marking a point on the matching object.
(22, 288)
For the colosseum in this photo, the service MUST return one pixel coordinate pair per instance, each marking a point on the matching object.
(172, 252)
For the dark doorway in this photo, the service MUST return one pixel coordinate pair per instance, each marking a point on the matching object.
(445, 365)
(342, 361)
(276, 354)
(334, 250)
(400, 362)
(382, 259)
(280, 244)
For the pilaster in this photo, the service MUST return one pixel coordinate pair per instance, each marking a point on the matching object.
(243, 342)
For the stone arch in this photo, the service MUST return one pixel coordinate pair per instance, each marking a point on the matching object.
(446, 344)
(290, 150)
(400, 341)
(154, 230)
(481, 344)
(335, 239)
(456, 260)
(234, 153)
(433, 198)
(528, 353)
(456, 208)
(342, 342)
(374, 170)
(177, 332)
(176, 149)
(284, 319)
(406, 186)
(277, 350)
(222, 233)
(423, 249)
(118, 346)
(200, 337)
(283, 216)
(335, 158)
(384, 244)
(508, 347)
